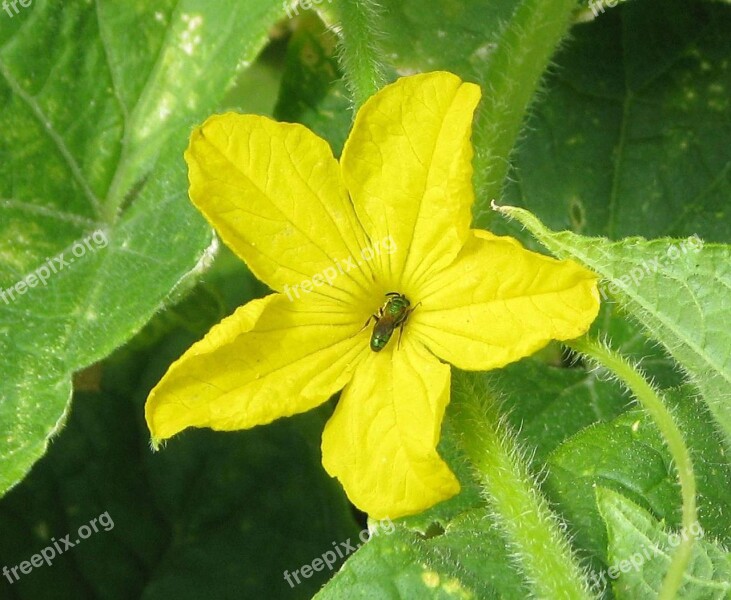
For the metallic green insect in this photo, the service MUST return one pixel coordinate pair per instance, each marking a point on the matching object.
(391, 315)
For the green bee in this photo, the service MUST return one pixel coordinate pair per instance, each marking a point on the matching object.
(391, 315)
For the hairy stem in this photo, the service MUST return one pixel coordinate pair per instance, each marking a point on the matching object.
(532, 531)
(360, 55)
(650, 400)
(510, 80)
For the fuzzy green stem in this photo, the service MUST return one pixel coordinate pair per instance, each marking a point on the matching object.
(634, 379)
(510, 80)
(531, 530)
(359, 51)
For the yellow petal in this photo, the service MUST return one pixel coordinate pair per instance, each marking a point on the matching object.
(408, 167)
(274, 193)
(499, 302)
(381, 441)
(271, 358)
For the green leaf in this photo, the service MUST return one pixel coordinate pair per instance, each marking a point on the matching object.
(639, 554)
(632, 135)
(454, 35)
(547, 405)
(212, 515)
(94, 122)
(629, 456)
(466, 560)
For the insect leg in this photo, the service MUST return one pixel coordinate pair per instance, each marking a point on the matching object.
(375, 317)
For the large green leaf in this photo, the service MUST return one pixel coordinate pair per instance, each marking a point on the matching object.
(97, 101)
(640, 549)
(632, 135)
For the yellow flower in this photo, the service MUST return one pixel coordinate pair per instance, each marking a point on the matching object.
(332, 239)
